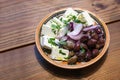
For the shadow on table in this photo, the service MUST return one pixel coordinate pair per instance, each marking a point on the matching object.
(66, 73)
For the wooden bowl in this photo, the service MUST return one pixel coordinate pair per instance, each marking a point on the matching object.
(64, 64)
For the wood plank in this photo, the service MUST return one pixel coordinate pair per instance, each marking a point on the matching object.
(19, 18)
(26, 64)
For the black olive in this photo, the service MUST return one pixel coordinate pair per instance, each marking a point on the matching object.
(77, 46)
(101, 40)
(71, 53)
(99, 46)
(81, 56)
(88, 56)
(95, 52)
(84, 46)
(70, 44)
(84, 39)
(91, 43)
(95, 36)
(72, 60)
(100, 43)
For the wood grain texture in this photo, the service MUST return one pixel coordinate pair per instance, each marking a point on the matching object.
(19, 18)
(26, 64)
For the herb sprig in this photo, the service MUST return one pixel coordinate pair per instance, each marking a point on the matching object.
(60, 51)
(52, 41)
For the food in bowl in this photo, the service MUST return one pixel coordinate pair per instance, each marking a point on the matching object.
(72, 37)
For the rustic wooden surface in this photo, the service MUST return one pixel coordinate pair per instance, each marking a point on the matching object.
(27, 64)
(18, 20)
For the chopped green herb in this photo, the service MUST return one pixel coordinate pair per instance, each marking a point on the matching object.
(61, 19)
(55, 28)
(78, 21)
(68, 19)
(65, 22)
(56, 23)
(82, 50)
(74, 17)
(71, 17)
(52, 41)
(60, 51)
(54, 31)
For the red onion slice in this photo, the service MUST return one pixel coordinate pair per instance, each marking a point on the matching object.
(76, 31)
(91, 27)
(77, 37)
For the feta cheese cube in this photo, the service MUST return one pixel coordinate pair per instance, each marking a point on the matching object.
(44, 42)
(70, 11)
(47, 30)
(56, 20)
(59, 53)
(49, 22)
(62, 32)
(87, 17)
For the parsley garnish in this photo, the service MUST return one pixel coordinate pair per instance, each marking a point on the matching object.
(82, 50)
(79, 21)
(61, 19)
(55, 28)
(52, 41)
(68, 19)
(74, 17)
(54, 31)
(71, 17)
(60, 51)
(65, 22)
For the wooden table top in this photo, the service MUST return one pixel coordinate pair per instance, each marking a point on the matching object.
(19, 58)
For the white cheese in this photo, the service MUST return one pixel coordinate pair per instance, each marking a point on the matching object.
(55, 54)
(70, 11)
(49, 23)
(62, 32)
(46, 30)
(44, 42)
(56, 20)
(89, 20)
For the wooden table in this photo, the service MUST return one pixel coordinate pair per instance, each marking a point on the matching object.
(19, 58)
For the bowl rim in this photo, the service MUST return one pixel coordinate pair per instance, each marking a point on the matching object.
(92, 61)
